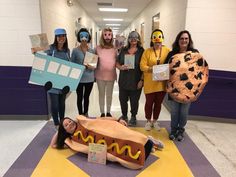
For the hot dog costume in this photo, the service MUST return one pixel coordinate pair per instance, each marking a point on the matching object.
(123, 144)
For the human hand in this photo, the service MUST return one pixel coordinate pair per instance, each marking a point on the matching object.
(90, 67)
(123, 122)
(124, 67)
(149, 69)
(140, 84)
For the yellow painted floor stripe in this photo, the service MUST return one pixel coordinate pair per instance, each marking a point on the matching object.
(54, 163)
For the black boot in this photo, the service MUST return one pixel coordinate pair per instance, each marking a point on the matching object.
(132, 121)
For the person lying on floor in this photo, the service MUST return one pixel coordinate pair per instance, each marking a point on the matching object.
(125, 146)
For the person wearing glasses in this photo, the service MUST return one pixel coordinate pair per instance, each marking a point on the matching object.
(179, 111)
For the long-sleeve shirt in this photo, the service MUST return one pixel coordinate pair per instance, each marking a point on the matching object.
(149, 59)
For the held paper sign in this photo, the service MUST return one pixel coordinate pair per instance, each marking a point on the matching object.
(39, 42)
(97, 153)
(90, 59)
(130, 61)
(160, 72)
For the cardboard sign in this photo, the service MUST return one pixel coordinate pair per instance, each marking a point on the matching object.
(39, 42)
(160, 72)
(91, 59)
(59, 72)
(97, 153)
(130, 61)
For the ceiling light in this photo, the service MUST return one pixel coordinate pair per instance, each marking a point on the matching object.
(113, 9)
(113, 19)
(112, 24)
(70, 2)
(115, 28)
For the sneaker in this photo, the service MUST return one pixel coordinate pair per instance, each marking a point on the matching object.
(158, 144)
(148, 126)
(180, 137)
(180, 134)
(132, 121)
(109, 114)
(156, 125)
(173, 135)
(102, 115)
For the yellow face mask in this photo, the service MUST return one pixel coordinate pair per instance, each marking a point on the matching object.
(157, 37)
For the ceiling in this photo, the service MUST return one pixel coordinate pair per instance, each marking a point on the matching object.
(134, 8)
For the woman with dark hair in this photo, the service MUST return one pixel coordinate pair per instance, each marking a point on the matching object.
(125, 146)
(154, 90)
(58, 49)
(86, 83)
(130, 78)
(179, 111)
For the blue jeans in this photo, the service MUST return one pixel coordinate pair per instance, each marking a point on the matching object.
(57, 107)
(179, 114)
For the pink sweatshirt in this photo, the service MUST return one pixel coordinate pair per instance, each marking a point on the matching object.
(106, 69)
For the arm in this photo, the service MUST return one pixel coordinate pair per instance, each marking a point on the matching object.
(144, 62)
(121, 121)
(53, 143)
(73, 56)
(121, 67)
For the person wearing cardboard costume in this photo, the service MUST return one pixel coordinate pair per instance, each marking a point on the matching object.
(188, 77)
(125, 146)
(58, 49)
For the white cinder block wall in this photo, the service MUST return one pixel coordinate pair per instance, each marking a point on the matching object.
(56, 13)
(18, 20)
(213, 26)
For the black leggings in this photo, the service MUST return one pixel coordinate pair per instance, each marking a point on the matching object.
(83, 92)
(148, 148)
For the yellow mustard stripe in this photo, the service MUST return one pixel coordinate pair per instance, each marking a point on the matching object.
(115, 145)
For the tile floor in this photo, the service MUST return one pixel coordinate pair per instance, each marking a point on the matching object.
(216, 140)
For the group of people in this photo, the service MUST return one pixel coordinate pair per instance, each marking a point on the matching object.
(131, 80)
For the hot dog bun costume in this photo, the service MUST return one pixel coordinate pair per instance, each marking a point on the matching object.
(188, 76)
(123, 145)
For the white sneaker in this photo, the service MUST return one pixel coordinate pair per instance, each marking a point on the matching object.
(148, 126)
(158, 144)
(156, 125)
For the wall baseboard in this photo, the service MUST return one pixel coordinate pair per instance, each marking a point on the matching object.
(24, 117)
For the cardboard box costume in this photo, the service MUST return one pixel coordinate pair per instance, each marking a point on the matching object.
(123, 144)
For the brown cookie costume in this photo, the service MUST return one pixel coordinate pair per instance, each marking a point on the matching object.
(188, 77)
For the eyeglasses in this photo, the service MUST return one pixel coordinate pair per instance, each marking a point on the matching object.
(184, 38)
